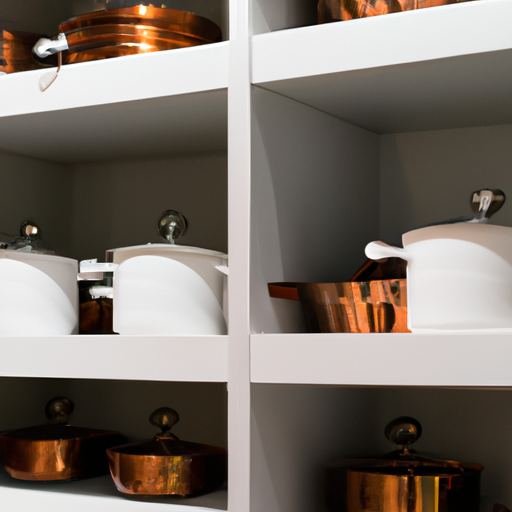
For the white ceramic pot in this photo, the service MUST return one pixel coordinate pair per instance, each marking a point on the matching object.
(459, 276)
(166, 289)
(38, 294)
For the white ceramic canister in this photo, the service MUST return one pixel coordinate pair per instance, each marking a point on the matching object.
(459, 276)
(38, 294)
(169, 289)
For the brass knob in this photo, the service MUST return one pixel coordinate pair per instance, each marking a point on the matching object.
(29, 229)
(164, 418)
(58, 410)
(403, 431)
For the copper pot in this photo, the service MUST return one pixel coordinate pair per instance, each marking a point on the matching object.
(56, 451)
(165, 465)
(355, 307)
(126, 31)
(339, 10)
(403, 481)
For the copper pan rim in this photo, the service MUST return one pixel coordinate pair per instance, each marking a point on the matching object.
(171, 19)
(127, 32)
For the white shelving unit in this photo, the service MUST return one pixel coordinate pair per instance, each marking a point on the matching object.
(289, 145)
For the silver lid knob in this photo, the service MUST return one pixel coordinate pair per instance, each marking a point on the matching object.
(172, 225)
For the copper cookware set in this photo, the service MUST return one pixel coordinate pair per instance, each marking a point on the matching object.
(144, 28)
(58, 451)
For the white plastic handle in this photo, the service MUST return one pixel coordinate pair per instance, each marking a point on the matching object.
(45, 47)
(380, 251)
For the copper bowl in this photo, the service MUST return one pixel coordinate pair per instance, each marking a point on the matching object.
(132, 30)
(56, 451)
(353, 307)
(167, 466)
(340, 10)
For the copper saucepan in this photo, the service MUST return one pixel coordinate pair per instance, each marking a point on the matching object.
(403, 481)
(126, 31)
(57, 450)
(366, 306)
(165, 465)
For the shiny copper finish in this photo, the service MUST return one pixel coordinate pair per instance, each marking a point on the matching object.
(140, 29)
(16, 52)
(338, 10)
(56, 452)
(165, 465)
(355, 307)
(387, 488)
(403, 481)
(188, 468)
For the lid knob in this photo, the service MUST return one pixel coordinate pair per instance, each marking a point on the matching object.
(403, 431)
(30, 229)
(164, 418)
(172, 225)
(486, 202)
(58, 410)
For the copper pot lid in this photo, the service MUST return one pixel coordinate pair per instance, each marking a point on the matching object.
(58, 411)
(405, 431)
(165, 443)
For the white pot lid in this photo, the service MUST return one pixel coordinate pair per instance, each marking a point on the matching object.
(171, 248)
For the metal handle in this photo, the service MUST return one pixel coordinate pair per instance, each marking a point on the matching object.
(486, 202)
(58, 410)
(45, 47)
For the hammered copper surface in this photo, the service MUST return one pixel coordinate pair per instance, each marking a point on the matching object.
(140, 29)
(339, 10)
(354, 307)
(185, 470)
